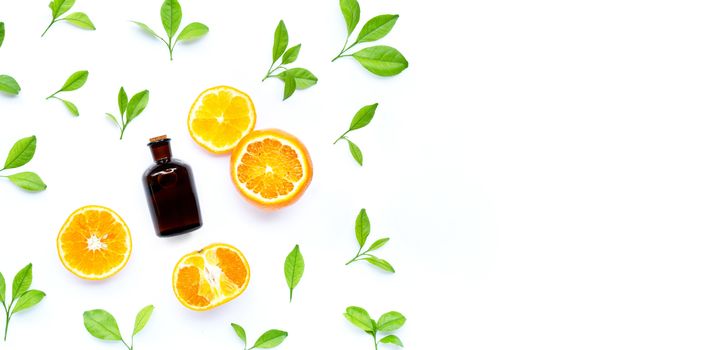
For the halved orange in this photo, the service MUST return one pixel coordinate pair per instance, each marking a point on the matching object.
(220, 117)
(94, 243)
(271, 168)
(210, 277)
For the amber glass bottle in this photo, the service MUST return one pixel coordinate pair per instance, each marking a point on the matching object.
(170, 192)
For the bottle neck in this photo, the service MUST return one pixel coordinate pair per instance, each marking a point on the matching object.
(161, 151)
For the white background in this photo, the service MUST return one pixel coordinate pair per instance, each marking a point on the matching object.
(543, 169)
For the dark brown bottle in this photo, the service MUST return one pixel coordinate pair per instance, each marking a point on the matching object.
(170, 192)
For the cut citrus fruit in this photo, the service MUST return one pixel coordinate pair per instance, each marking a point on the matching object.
(220, 117)
(210, 277)
(271, 168)
(94, 243)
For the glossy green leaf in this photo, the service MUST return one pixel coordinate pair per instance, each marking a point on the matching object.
(146, 29)
(376, 28)
(270, 339)
(290, 87)
(2, 32)
(294, 268)
(193, 31)
(28, 181)
(81, 20)
(9, 85)
(75, 81)
(71, 107)
(384, 61)
(391, 339)
(137, 104)
(291, 54)
(351, 12)
(363, 117)
(378, 244)
(171, 16)
(362, 227)
(22, 281)
(360, 318)
(280, 42)
(356, 152)
(21, 152)
(3, 289)
(59, 7)
(123, 100)
(113, 119)
(380, 263)
(142, 318)
(303, 77)
(28, 300)
(391, 321)
(102, 325)
(239, 331)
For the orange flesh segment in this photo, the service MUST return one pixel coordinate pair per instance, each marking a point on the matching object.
(270, 168)
(220, 117)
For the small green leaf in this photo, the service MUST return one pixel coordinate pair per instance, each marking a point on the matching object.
(113, 119)
(3, 289)
(291, 54)
(356, 152)
(378, 244)
(2, 32)
(71, 107)
(81, 20)
(351, 13)
(270, 339)
(376, 28)
(362, 227)
(123, 100)
(28, 300)
(363, 117)
(360, 318)
(239, 331)
(294, 268)
(380, 263)
(290, 87)
(9, 85)
(75, 81)
(391, 339)
(391, 321)
(59, 7)
(22, 281)
(146, 29)
(193, 31)
(137, 104)
(303, 77)
(28, 181)
(381, 60)
(102, 325)
(21, 152)
(142, 318)
(280, 42)
(171, 16)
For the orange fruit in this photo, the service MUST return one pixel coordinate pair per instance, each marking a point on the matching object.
(271, 168)
(210, 277)
(220, 117)
(94, 243)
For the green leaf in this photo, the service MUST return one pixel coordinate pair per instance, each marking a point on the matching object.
(362, 227)
(360, 318)
(290, 87)
(2, 32)
(59, 7)
(280, 42)
(363, 117)
(356, 152)
(28, 300)
(384, 61)
(137, 104)
(303, 77)
(270, 339)
(123, 100)
(391, 339)
(291, 54)
(71, 107)
(102, 325)
(146, 29)
(3, 289)
(171, 16)
(22, 281)
(351, 13)
(378, 244)
(75, 81)
(294, 268)
(142, 318)
(239, 331)
(376, 28)
(21, 152)
(380, 263)
(193, 31)
(28, 181)
(391, 321)
(81, 20)
(113, 119)
(9, 85)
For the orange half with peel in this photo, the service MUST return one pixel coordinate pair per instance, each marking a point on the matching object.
(271, 168)
(210, 277)
(94, 243)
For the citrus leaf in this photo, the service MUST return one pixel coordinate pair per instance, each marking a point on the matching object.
(142, 318)
(291, 54)
(193, 31)
(102, 325)
(22, 281)
(81, 20)
(391, 321)
(378, 244)
(376, 28)
(380, 263)
(9, 85)
(351, 12)
(360, 318)
(3, 289)
(59, 7)
(137, 104)
(123, 100)
(362, 227)
(294, 268)
(71, 107)
(290, 87)
(303, 77)
(356, 152)
(270, 339)
(21, 152)
(28, 181)
(28, 300)
(280, 42)
(391, 339)
(146, 29)
(239, 331)
(384, 61)
(2, 32)
(171, 16)
(363, 117)
(75, 81)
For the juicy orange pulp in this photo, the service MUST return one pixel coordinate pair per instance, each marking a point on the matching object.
(220, 117)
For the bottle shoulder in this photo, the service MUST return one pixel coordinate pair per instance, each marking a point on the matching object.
(173, 164)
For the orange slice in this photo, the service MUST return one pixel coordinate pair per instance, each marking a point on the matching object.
(94, 243)
(210, 277)
(271, 168)
(220, 117)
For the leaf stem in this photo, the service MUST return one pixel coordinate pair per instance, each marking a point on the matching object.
(54, 20)
(376, 346)
(270, 71)
(358, 254)
(345, 49)
(341, 137)
(8, 315)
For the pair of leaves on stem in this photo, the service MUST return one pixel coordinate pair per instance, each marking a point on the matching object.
(381, 60)
(22, 297)
(74, 82)
(8, 84)
(361, 119)
(294, 78)
(129, 109)
(267, 340)
(362, 228)
(102, 325)
(20, 154)
(294, 268)
(79, 19)
(171, 16)
(388, 322)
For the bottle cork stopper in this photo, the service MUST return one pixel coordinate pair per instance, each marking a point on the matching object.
(158, 138)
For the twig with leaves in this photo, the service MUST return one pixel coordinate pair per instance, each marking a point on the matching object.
(22, 297)
(102, 325)
(171, 16)
(20, 154)
(388, 322)
(129, 109)
(294, 78)
(362, 228)
(74, 82)
(78, 19)
(267, 340)
(361, 119)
